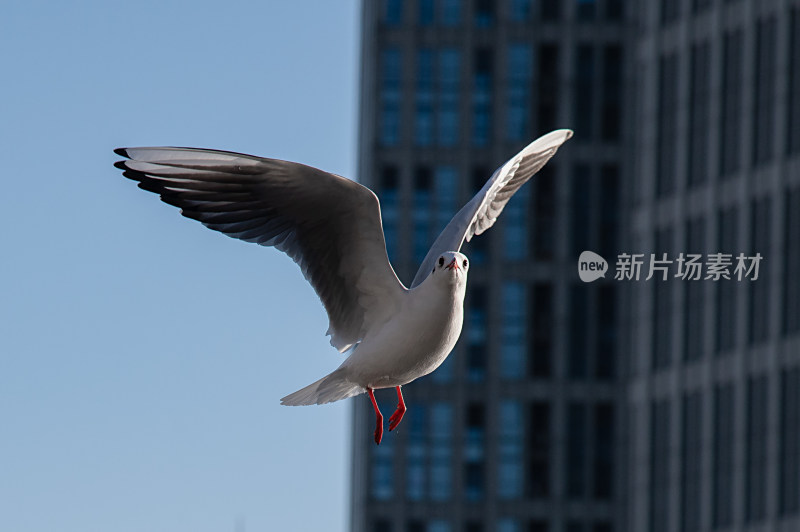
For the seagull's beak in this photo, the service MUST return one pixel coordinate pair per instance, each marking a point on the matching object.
(453, 265)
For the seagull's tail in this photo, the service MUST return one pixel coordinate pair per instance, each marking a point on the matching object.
(333, 387)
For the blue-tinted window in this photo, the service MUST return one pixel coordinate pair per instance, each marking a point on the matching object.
(727, 292)
(694, 295)
(423, 120)
(511, 456)
(441, 469)
(755, 496)
(476, 332)
(520, 10)
(547, 86)
(659, 466)
(393, 12)
(507, 524)
(699, 117)
(512, 350)
(760, 242)
(482, 97)
(544, 216)
(391, 75)
(611, 111)
(427, 12)
(550, 9)
(382, 486)
(691, 462)
(789, 444)
(439, 525)
(541, 331)
(484, 13)
(604, 450)
(451, 12)
(520, 74)
(421, 214)
(449, 96)
(515, 226)
(474, 452)
(416, 453)
(667, 130)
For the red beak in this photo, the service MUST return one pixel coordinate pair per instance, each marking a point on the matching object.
(453, 265)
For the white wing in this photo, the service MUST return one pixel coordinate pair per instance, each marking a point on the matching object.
(330, 226)
(483, 209)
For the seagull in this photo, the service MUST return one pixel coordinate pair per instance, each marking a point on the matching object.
(331, 227)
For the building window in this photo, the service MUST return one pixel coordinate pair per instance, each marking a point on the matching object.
(694, 295)
(520, 10)
(446, 183)
(423, 120)
(670, 11)
(510, 461)
(538, 455)
(515, 226)
(544, 216)
(662, 305)
(723, 461)
(451, 12)
(606, 340)
(421, 213)
(578, 343)
(547, 86)
(760, 242)
(439, 525)
(441, 433)
(416, 454)
(581, 208)
(691, 461)
(382, 525)
(731, 106)
(477, 335)
(550, 10)
(586, 10)
(667, 128)
(541, 336)
(764, 108)
(609, 210)
(793, 80)
(612, 92)
(699, 120)
(615, 9)
(585, 89)
(727, 300)
(604, 450)
(512, 350)
(755, 500)
(482, 97)
(427, 12)
(393, 12)
(474, 452)
(789, 442)
(700, 5)
(484, 13)
(391, 75)
(520, 74)
(576, 451)
(659, 465)
(791, 264)
(449, 95)
(390, 208)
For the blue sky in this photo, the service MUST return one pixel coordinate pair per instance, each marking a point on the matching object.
(142, 356)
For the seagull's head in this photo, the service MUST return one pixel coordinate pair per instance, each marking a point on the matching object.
(451, 267)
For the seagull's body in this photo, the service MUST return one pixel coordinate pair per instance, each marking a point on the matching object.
(331, 227)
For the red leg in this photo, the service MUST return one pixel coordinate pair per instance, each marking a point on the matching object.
(398, 414)
(378, 417)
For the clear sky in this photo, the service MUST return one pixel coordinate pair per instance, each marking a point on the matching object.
(142, 356)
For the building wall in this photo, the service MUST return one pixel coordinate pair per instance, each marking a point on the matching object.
(520, 429)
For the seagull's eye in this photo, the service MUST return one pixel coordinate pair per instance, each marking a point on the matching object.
(441, 261)
(464, 263)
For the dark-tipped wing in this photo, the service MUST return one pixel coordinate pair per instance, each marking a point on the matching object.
(330, 226)
(483, 209)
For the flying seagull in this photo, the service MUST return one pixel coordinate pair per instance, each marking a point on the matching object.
(331, 227)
